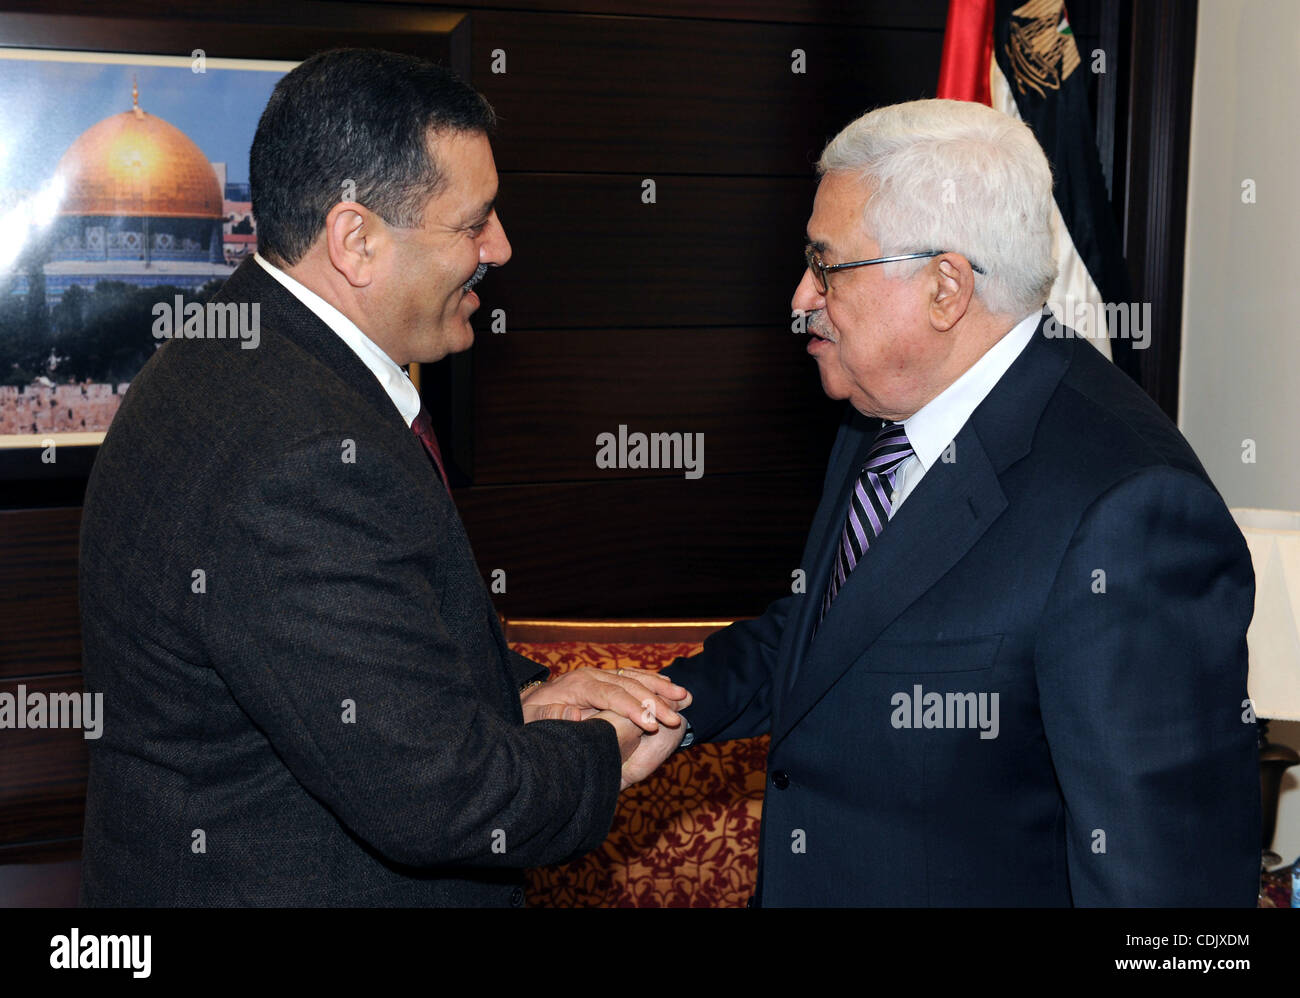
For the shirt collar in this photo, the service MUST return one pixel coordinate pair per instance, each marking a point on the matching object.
(394, 380)
(936, 423)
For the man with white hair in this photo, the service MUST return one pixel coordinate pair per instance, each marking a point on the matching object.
(1017, 673)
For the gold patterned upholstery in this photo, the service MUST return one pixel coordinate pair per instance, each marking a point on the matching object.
(687, 836)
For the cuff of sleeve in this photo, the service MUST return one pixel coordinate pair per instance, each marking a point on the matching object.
(610, 765)
(526, 671)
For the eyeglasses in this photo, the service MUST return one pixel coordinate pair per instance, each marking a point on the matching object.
(821, 270)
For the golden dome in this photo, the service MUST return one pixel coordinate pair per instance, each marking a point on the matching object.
(134, 163)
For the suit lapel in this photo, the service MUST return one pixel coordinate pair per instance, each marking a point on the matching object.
(286, 315)
(941, 520)
(846, 462)
(289, 317)
(944, 517)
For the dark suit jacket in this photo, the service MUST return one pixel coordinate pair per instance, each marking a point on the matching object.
(1122, 772)
(328, 714)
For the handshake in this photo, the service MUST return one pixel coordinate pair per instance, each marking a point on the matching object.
(641, 706)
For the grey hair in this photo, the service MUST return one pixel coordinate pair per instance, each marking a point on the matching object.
(961, 177)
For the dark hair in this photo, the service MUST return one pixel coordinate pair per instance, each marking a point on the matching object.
(353, 114)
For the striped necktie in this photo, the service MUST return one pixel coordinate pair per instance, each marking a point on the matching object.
(869, 506)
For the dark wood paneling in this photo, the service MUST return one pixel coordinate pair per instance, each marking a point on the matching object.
(652, 97)
(588, 254)
(40, 630)
(249, 29)
(47, 853)
(42, 775)
(544, 396)
(724, 545)
(870, 13)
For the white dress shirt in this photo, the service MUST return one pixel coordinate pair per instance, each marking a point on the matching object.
(932, 427)
(394, 380)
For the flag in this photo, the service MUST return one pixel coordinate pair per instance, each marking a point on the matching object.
(1026, 51)
(967, 51)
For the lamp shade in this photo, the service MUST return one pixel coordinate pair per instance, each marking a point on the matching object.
(1274, 636)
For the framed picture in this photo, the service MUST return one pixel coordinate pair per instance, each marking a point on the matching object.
(125, 183)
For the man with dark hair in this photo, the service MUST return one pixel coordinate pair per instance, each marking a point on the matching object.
(307, 693)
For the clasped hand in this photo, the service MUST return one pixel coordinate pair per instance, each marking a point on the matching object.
(641, 705)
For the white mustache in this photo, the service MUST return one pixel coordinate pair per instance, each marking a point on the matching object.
(479, 271)
(819, 325)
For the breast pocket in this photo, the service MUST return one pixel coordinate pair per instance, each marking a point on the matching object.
(915, 657)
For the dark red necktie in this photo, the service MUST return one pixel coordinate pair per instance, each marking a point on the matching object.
(422, 427)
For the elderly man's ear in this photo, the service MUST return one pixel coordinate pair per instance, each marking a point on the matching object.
(352, 234)
(954, 285)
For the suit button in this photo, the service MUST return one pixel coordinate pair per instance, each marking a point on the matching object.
(780, 779)
(517, 897)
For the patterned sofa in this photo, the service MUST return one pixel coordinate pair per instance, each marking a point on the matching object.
(687, 836)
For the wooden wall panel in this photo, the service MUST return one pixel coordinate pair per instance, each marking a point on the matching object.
(42, 775)
(42, 771)
(40, 630)
(544, 396)
(724, 545)
(587, 253)
(54, 865)
(922, 14)
(929, 14)
(250, 29)
(645, 96)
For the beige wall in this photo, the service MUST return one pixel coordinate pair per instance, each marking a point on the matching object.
(1240, 378)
